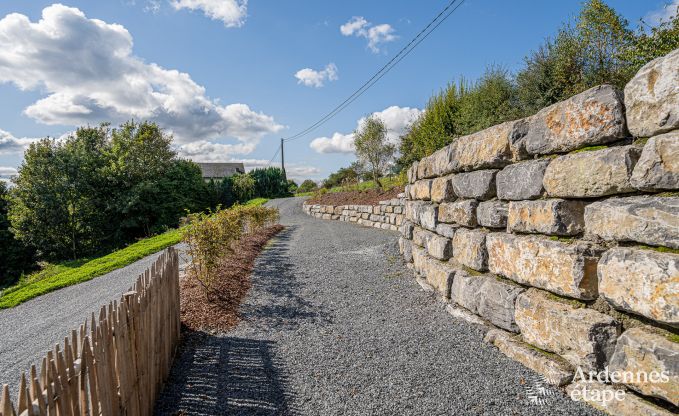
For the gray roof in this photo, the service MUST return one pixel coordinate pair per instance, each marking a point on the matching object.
(220, 170)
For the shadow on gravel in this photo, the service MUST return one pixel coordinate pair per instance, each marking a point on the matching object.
(224, 376)
(277, 304)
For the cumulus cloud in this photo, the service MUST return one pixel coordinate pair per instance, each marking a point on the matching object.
(313, 78)
(10, 144)
(6, 173)
(375, 34)
(204, 151)
(231, 12)
(396, 119)
(666, 13)
(89, 73)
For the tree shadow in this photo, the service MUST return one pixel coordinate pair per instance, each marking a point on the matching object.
(215, 375)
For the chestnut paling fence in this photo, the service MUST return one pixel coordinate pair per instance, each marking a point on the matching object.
(114, 364)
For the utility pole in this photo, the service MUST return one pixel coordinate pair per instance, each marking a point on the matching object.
(283, 159)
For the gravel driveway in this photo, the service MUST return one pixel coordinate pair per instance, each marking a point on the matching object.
(335, 324)
(27, 331)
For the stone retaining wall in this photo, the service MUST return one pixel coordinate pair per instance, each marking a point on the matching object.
(387, 215)
(561, 231)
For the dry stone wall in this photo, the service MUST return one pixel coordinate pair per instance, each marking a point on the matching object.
(561, 231)
(387, 215)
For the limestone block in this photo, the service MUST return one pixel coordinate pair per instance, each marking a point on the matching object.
(547, 216)
(582, 336)
(652, 97)
(555, 370)
(429, 216)
(658, 166)
(648, 220)
(568, 269)
(421, 190)
(593, 117)
(497, 300)
(440, 276)
(442, 189)
(426, 168)
(591, 173)
(642, 351)
(644, 282)
(486, 149)
(465, 290)
(406, 249)
(522, 180)
(461, 212)
(447, 230)
(479, 184)
(492, 214)
(413, 210)
(469, 248)
(412, 173)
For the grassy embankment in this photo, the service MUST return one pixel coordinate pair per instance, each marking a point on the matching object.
(67, 273)
(388, 182)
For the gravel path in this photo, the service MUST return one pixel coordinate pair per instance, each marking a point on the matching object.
(335, 324)
(27, 331)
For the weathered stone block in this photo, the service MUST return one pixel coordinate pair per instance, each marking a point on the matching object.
(582, 336)
(547, 216)
(412, 173)
(596, 116)
(479, 184)
(414, 210)
(429, 216)
(652, 99)
(465, 290)
(603, 397)
(469, 248)
(648, 220)
(406, 249)
(447, 230)
(486, 149)
(492, 214)
(443, 161)
(440, 276)
(419, 259)
(555, 370)
(644, 282)
(658, 166)
(459, 212)
(644, 352)
(568, 269)
(440, 248)
(521, 180)
(421, 190)
(591, 173)
(421, 236)
(442, 189)
(497, 300)
(406, 229)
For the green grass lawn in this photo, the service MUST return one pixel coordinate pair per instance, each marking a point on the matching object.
(56, 276)
(388, 182)
(67, 273)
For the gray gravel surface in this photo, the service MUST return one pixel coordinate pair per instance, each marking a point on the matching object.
(336, 325)
(27, 331)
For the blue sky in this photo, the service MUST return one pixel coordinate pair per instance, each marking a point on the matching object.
(221, 74)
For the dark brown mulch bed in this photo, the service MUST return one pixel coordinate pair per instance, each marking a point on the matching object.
(367, 197)
(219, 313)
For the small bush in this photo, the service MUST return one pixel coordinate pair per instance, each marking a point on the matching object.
(212, 236)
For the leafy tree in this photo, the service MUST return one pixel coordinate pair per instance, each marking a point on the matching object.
(292, 187)
(307, 186)
(372, 147)
(646, 46)
(243, 187)
(343, 176)
(270, 182)
(17, 258)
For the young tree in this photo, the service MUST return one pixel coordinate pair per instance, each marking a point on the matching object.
(372, 147)
(243, 187)
(17, 258)
(307, 186)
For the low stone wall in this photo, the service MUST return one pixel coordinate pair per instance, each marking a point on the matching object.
(387, 215)
(561, 231)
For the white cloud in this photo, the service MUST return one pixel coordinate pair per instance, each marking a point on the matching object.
(152, 6)
(204, 151)
(666, 13)
(89, 73)
(12, 145)
(375, 34)
(313, 78)
(231, 12)
(396, 119)
(7, 172)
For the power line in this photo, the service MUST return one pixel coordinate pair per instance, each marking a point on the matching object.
(274, 156)
(405, 51)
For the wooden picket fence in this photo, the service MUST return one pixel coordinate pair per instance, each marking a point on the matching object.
(117, 364)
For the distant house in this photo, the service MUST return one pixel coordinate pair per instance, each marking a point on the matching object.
(219, 171)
